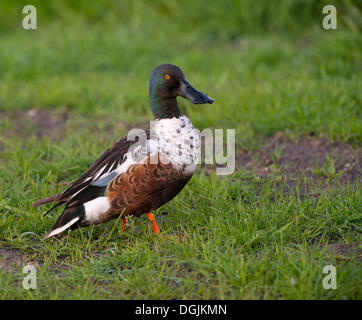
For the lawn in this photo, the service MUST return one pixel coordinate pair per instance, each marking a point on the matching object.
(289, 88)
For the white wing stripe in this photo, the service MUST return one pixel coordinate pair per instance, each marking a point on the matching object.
(61, 229)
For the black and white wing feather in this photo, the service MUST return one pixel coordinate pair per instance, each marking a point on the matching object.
(95, 180)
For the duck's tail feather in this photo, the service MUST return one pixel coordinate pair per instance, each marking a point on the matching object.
(68, 219)
(46, 200)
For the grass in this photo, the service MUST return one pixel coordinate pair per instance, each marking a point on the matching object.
(273, 69)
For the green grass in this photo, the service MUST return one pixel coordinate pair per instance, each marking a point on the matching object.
(269, 67)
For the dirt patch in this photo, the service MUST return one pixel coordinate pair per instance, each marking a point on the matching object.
(39, 122)
(47, 123)
(54, 124)
(308, 157)
(11, 259)
(343, 251)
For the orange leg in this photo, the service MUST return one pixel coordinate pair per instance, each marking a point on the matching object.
(152, 219)
(156, 229)
(124, 223)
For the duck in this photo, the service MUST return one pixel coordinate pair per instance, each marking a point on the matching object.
(140, 172)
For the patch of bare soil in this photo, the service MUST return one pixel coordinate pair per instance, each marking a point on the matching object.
(11, 259)
(345, 251)
(41, 122)
(304, 158)
(53, 124)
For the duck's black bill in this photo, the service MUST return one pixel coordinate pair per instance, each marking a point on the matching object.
(189, 92)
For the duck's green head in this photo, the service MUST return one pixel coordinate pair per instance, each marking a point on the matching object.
(168, 82)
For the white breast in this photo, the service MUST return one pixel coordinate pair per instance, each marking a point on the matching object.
(178, 142)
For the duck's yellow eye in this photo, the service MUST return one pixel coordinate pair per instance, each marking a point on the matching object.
(167, 77)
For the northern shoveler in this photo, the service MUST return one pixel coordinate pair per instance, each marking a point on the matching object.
(122, 181)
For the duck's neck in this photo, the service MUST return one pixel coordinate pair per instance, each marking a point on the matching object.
(164, 108)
